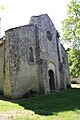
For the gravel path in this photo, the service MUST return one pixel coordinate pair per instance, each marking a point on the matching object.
(75, 85)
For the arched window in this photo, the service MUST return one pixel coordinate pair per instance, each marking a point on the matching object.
(31, 56)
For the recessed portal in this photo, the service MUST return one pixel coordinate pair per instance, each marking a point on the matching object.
(51, 80)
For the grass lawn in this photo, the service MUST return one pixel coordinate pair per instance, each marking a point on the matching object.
(64, 105)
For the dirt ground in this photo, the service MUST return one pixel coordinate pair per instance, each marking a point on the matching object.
(75, 85)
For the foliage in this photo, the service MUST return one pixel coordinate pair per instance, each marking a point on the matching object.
(1, 7)
(64, 105)
(71, 25)
(71, 36)
(74, 62)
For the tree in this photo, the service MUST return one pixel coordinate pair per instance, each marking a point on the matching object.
(71, 36)
(74, 61)
(1, 7)
(71, 25)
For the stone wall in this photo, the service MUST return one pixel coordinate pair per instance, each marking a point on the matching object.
(48, 48)
(30, 53)
(66, 72)
(23, 73)
(1, 65)
(7, 80)
(0, 27)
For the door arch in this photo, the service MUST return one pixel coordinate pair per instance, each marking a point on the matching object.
(51, 80)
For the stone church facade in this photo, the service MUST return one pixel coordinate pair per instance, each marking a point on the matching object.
(33, 59)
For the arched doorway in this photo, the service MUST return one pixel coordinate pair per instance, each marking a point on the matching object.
(51, 80)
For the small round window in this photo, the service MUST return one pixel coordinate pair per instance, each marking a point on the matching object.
(49, 35)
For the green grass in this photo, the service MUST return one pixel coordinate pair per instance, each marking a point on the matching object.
(64, 105)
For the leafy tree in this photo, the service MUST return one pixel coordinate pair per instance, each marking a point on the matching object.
(71, 25)
(71, 36)
(74, 61)
(1, 7)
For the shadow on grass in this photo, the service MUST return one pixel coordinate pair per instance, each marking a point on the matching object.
(68, 100)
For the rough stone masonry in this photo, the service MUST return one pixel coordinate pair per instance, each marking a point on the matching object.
(32, 59)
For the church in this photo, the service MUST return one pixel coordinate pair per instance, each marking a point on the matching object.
(32, 59)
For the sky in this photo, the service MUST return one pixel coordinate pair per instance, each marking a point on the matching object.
(18, 12)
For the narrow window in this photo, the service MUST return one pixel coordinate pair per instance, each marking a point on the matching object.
(63, 60)
(49, 35)
(31, 56)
